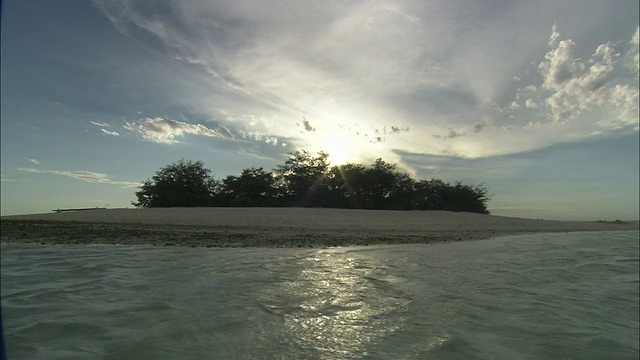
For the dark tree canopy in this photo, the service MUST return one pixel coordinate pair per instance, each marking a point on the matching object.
(182, 184)
(301, 175)
(254, 187)
(379, 186)
(308, 180)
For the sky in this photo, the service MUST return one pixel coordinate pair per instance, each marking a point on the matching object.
(537, 100)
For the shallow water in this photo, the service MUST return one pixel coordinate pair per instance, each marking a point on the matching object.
(572, 295)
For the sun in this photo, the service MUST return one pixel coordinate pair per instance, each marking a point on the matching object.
(339, 147)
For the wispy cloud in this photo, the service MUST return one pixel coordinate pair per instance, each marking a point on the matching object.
(103, 130)
(357, 67)
(162, 130)
(99, 123)
(254, 135)
(86, 176)
(112, 133)
(33, 161)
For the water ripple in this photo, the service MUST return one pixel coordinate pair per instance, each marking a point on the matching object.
(535, 296)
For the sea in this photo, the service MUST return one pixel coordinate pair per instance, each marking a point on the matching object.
(539, 296)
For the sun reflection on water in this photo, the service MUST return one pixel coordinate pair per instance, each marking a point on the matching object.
(338, 305)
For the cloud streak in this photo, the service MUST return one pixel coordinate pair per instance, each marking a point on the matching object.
(99, 124)
(112, 133)
(86, 176)
(6, 179)
(103, 130)
(165, 131)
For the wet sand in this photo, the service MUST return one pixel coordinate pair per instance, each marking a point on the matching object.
(273, 227)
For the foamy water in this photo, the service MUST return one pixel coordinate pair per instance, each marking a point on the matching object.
(572, 295)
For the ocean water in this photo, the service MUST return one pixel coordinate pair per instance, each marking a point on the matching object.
(541, 296)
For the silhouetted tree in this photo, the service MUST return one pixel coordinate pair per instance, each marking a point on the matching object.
(379, 181)
(254, 187)
(300, 177)
(402, 193)
(182, 184)
(343, 187)
(435, 194)
(467, 198)
(306, 180)
(379, 186)
(431, 194)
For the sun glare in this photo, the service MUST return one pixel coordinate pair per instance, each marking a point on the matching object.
(338, 146)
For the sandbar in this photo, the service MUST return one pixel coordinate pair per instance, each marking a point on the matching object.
(274, 227)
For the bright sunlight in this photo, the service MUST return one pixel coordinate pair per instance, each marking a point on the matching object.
(338, 146)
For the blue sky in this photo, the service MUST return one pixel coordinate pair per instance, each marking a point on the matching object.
(538, 100)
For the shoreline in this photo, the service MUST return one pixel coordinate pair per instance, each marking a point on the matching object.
(274, 227)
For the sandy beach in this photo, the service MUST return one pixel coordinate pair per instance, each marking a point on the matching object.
(273, 227)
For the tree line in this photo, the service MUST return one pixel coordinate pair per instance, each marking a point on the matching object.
(309, 181)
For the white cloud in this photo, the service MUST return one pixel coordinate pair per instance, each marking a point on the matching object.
(103, 130)
(6, 179)
(33, 161)
(560, 66)
(254, 135)
(162, 130)
(579, 87)
(555, 35)
(356, 68)
(99, 124)
(225, 132)
(112, 133)
(86, 176)
(632, 58)
(530, 103)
